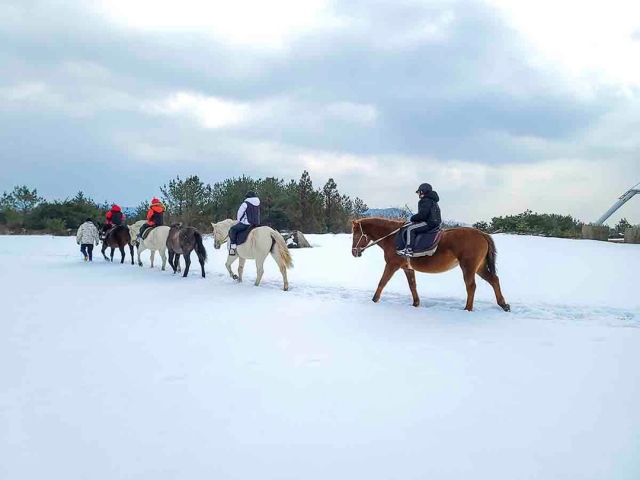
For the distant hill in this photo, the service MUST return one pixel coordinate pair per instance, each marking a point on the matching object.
(387, 212)
(393, 212)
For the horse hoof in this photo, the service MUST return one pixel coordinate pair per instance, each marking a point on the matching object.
(375, 300)
(235, 277)
(416, 304)
(140, 264)
(507, 308)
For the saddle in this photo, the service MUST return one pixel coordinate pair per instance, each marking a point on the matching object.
(242, 236)
(146, 232)
(425, 244)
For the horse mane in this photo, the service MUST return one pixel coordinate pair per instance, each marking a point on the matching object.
(380, 221)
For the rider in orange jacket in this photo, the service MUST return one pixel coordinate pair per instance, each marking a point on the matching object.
(155, 216)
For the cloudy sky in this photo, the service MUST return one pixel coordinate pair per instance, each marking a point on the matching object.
(502, 105)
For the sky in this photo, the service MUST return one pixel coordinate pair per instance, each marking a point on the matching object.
(501, 105)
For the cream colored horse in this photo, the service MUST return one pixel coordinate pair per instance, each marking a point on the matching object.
(262, 241)
(155, 241)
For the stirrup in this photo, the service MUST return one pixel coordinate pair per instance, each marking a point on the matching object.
(232, 251)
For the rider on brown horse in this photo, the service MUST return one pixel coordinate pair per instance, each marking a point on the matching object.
(115, 217)
(427, 219)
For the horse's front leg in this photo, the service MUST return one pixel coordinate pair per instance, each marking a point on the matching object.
(411, 278)
(104, 249)
(152, 257)
(113, 250)
(229, 262)
(389, 270)
(138, 252)
(131, 250)
(241, 268)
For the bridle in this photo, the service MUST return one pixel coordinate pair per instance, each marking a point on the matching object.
(357, 250)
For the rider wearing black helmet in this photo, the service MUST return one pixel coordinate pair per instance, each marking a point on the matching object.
(248, 216)
(428, 217)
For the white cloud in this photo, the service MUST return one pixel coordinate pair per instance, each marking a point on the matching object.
(211, 112)
(354, 112)
(249, 23)
(591, 43)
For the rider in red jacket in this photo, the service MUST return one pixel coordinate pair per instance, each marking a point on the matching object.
(115, 216)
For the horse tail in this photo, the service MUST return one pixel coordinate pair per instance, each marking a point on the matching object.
(492, 253)
(200, 250)
(283, 250)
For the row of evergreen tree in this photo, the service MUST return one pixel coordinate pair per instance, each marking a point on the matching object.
(285, 205)
(552, 225)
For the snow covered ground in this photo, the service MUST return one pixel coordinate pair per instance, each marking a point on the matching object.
(113, 371)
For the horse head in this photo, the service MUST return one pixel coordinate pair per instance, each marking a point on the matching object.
(220, 234)
(359, 239)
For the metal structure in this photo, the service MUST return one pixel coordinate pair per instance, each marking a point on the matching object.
(628, 195)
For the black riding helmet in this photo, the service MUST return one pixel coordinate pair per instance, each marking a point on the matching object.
(250, 194)
(424, 188)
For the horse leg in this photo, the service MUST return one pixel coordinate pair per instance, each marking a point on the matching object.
(492, 279)
(411, 278)
(283, 270)
(171, 258)
(131, 250)
(104, 249)
(153, 256)
(259, 268)
(469, 275)
(389, 270)
(230, 260)
(187, 263)
(113, 250)
(163, 256)
(122, 253)
(201, 260)
(138, 252)
(241, 268)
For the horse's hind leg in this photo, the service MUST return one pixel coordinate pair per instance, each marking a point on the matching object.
(283, 270)
(187, 263)
(493, 280)
(152, 257)
(259, 269)
(163, 256)
(469, 275)
(122, 253)
(113, 250)
(389, 270)
(201, 260)
(411, 278)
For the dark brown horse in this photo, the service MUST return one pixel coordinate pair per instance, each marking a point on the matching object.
(119, 237)
(471, 249)
(182, 241)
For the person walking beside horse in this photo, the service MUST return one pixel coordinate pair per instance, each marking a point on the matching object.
(86, 237)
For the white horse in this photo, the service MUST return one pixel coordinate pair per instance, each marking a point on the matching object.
(262, 241)
(156, 240)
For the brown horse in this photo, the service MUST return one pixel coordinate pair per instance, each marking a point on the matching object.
(472, 249)
(118, 237)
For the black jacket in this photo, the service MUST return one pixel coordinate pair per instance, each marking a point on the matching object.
(428, 210)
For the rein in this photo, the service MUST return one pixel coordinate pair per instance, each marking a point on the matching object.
(375, 242)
